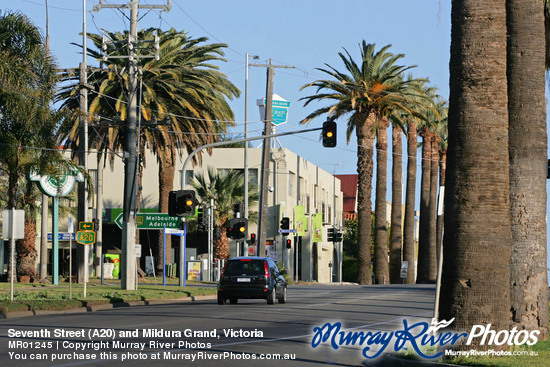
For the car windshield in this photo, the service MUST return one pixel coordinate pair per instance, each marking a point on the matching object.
(252, 267)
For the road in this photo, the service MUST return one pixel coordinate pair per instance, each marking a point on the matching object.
(235, 334)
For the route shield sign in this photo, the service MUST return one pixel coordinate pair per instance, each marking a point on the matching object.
(85, 237)
(152, 221)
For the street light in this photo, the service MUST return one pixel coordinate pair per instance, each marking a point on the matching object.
(255, 57)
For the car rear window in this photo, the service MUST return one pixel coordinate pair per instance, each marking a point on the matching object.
(252, 267)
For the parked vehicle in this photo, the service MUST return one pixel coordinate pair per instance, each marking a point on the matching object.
(251, 277)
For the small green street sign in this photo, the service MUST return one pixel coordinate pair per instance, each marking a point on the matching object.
(85, 226)
(152, 221)
(85, 237)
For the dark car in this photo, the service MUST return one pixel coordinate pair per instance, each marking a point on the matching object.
(251, 277)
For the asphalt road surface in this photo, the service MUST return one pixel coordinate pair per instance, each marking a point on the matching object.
(250, 333)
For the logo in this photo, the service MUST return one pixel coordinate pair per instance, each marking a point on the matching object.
(418, 336)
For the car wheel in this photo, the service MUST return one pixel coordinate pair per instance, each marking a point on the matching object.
(233, 301)
(221, 300)
(271, 297)
(282, 299)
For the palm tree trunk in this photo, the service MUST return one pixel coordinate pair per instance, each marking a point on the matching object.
(409, 221)
(26, 250)
(396, 236)
(365, 144)
(476, 283)
(381, 271)
(221, 245)
(432, 217)
(166, 184)
(424, 233)
(442, 172)
(528, 149)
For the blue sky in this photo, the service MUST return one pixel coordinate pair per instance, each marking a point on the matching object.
(305, 34)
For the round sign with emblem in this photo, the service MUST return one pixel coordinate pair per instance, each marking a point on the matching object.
(61, 185)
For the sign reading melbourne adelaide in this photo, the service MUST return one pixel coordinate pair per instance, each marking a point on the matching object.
(152, 221)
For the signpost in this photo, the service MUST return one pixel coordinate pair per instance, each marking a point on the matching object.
(70, 232)
(14, 229)
(56, 186)
(85, 236)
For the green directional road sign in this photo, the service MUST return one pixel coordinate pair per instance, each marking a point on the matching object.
(85, 237)
(85, 226)
(152, 221)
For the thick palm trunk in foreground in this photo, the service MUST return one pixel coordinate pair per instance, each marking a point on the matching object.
(528, 149)
(476, 271)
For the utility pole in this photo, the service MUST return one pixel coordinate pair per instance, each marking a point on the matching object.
(45, 198)
(82, 251)
(128, 260)
(266, 154)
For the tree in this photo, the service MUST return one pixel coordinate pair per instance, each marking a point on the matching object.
(27, 124)
(442, 132)
(370, 91)
(528, 157)
(475, 283)
(225, 188)
(427, 244)
(183, 101)
(396, 237)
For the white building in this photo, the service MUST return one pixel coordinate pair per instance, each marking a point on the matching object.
(294, 181)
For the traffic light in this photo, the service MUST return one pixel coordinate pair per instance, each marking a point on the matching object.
(239, 228)
(285, 225)
(329, 134)
(181, 203)
(338, 238)
(330, 234)
(288, 243)
(201, 218)
(252, 240)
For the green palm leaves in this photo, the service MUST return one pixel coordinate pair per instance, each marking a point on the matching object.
(183, 95)
(370, 92)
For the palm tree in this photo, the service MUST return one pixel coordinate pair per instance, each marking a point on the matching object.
(225, 188)
(475, 283)
(27, 124)
(528, 164)
(442, 132)
(427, 244)
(371, 91)
(411, 120)
(381, 266)
(183, 101)
(396, 233)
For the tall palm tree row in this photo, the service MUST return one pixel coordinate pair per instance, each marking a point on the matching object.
(427, 246)
(183, 101)
(528, 164)
(366, 93)
(475, 282)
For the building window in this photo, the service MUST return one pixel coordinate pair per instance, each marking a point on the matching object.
(291, 180)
